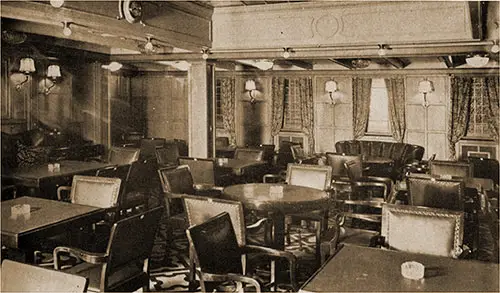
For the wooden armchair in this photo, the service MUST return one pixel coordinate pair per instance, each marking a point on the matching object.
(202, 171)
(219, 256)
(21, 277)
(249, 154)
(124, 265)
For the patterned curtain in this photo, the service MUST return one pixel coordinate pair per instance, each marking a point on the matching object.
(397, 116)
(361, 91)
(227, 96)
(492, 109)
(278, 95)
(307, 109)
(461, 92)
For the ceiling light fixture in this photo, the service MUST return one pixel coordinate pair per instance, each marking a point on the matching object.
(66, 30)
(149, 45)
(425, 86)
(287, 52)
(477, 60)
(26, 66)
(264, 64)
(495, 48)
(113, 66)
(57, 3)
(382, 49)
(204, 54)
(360, 63)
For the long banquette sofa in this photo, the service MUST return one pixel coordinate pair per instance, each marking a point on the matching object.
(399, 155)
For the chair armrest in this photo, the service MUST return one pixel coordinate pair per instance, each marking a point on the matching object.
(257, 225)
(266, 177)
(60, 189)
(292, 259)
(207, 187)
(86, 256)
(372, 184)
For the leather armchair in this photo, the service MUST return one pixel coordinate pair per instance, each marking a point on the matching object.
(218, 254)
(451, 169)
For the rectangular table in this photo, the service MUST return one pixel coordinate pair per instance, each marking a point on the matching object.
(47, 218)
(41, 182)
(363, 269)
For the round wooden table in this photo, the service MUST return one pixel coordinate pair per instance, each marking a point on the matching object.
(257, 196)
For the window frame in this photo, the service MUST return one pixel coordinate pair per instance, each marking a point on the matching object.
(369, 132)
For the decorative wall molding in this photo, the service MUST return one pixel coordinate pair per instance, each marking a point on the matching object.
(332, 24)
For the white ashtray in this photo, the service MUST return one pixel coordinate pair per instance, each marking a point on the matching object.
(412, 270)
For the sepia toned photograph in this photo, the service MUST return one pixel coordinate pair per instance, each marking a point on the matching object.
(250, 146)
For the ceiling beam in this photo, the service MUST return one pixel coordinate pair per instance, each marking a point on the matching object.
(302, 64)
(45, 14)
(345, 63)
(398, 63)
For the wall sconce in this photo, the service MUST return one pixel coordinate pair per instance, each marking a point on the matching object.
(57, 3)
(26, 66)
(113, 66)
(331, 89)
(251, 88)
(425, 86)
(53, 72)
(477, 60)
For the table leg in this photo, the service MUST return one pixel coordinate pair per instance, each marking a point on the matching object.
(278, 234)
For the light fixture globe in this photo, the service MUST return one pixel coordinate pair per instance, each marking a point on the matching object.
(477, 60)
(264, 64)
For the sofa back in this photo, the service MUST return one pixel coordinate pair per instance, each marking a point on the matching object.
(401, 153)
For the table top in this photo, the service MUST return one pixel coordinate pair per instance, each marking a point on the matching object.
(356, 268)
(238, 166)
(44, 214)
(67, 168)
(295, 199)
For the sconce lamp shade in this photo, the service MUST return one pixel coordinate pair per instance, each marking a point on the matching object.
(425, 86)
(477, 60)
(250, 85)
(331, 86)
(54, 71)
(27, 65)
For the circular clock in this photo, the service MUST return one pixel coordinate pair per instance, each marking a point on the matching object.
(132, 10)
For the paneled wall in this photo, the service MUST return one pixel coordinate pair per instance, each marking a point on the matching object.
(426, 126)
(162, 99)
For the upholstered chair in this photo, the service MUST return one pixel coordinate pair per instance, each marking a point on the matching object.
(423, 230)
(451, 169)
(123, 155)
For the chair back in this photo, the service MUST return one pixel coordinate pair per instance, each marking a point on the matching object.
(285, 155)
(485, 168)
(202, 170)
(167, 155)
(118, 171)
(215, 245)
(337, 160)
(249, 154)
(354, 168)
(423, 230)
(268, 154)
(221, 141)
(297, 152)
(95, 191)
(143, 177)
(130, 244)
(21, 277)
(450, 168)
(200, 209)
(149, 146)
(436, 193)
(314, 176)
(123, 155)
(177, 180)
